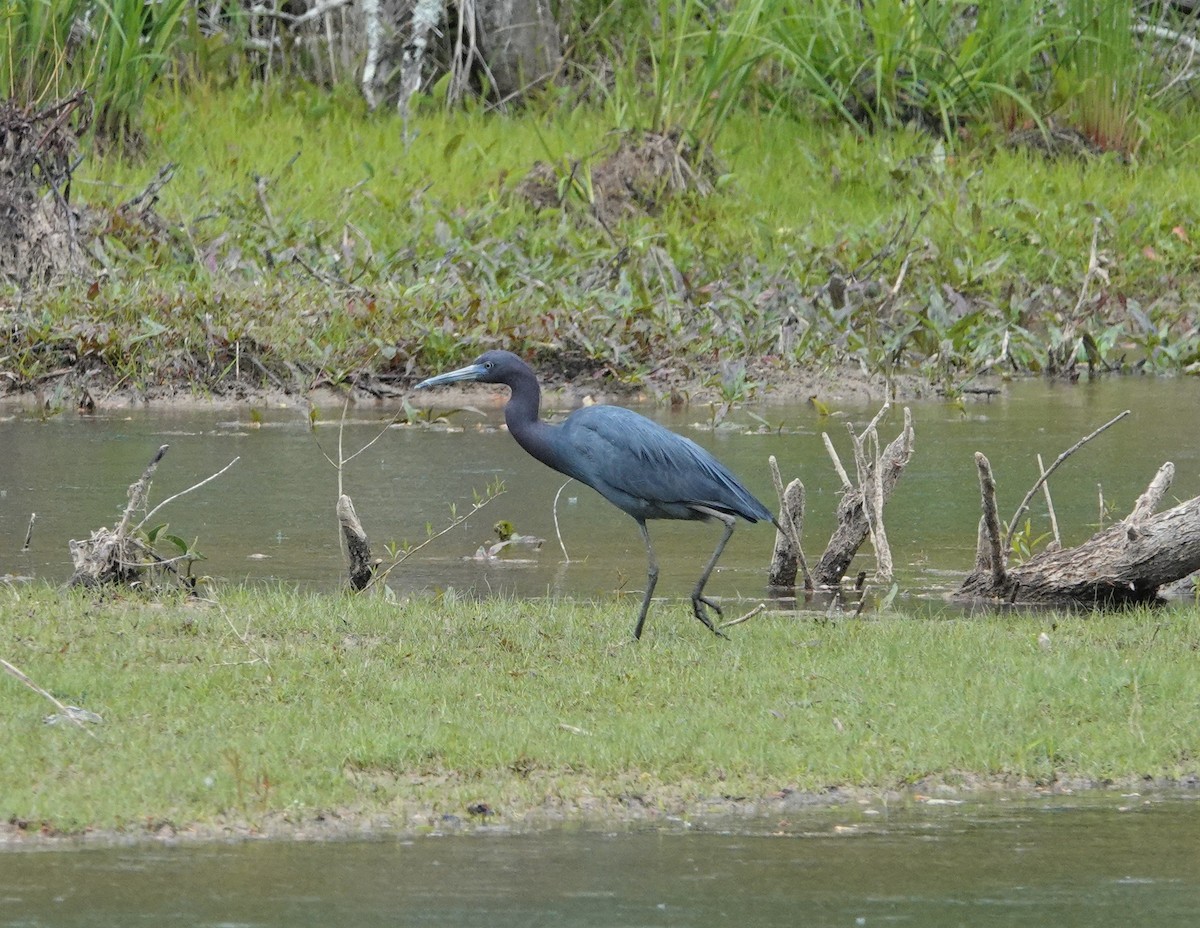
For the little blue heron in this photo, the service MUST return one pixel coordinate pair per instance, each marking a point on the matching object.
(637, 465)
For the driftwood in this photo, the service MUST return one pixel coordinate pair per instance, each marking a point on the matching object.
(860, 512)
(1128, 562)
(360, 565)
(122, 556)
(115, 556)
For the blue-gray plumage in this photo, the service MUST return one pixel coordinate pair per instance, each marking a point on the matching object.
(634, 463)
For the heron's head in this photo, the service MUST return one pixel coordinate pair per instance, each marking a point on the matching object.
(489, 367)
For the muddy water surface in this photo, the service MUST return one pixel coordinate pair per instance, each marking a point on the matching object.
(270, 518)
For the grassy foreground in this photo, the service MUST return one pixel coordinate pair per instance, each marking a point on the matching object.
(276, 707)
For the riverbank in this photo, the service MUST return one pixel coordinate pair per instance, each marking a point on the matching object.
(317, 254)
(306, 716)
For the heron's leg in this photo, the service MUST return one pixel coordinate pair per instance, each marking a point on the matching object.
(699, 600)
(651, 579)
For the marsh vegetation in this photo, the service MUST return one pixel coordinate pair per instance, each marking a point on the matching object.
(707, 197)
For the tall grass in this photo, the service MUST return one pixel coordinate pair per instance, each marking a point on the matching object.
(114, 49)
(882, 63)
(34, 49)
(1101, 74)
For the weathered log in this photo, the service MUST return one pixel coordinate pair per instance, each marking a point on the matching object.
(1128, 562)
(855, 522)
(358, 547)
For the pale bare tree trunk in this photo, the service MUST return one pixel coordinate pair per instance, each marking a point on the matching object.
(520, 43)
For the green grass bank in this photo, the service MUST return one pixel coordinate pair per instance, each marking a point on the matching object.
(300, 243)
(270, 709)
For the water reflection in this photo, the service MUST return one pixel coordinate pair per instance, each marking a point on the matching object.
(1114, 861)
(271, 517)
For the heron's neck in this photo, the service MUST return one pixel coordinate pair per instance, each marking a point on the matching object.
(522, 414)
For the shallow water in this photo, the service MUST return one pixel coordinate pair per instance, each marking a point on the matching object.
(270, 518)
(1091, 863)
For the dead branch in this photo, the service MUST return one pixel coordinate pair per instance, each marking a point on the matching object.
(860, 512)
(121, 555)
(1012, 523)
(1049, 504)
(993, 555)
(1127, 562)
(64, 711)
(1150, 500)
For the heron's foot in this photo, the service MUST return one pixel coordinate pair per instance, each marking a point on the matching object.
(698, 607)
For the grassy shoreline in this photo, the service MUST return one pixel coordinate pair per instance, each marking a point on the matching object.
(315, 252)
(278, 713)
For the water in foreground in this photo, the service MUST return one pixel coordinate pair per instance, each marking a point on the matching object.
(1053, 861)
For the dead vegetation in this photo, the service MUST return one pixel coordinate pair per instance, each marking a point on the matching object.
(131, 554)
(636, 177)
(40, 231)
(859, 513)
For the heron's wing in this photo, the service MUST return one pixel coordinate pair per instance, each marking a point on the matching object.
(638, 464)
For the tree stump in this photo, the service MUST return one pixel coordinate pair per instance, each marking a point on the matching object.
(360, 565)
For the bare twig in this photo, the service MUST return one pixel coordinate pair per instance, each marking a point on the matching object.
(837, 462)
(295, 19)
(557, 530)
(244, 638)
(195, 486)
(382, 575)
(139, 491)
(1012, 523)
(761, 607)
(64, 710)
(29, 532)
(1049, 505)
(1094, 270)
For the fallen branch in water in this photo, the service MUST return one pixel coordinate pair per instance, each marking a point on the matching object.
(1128, 562)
